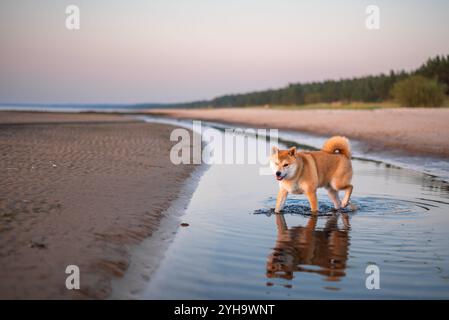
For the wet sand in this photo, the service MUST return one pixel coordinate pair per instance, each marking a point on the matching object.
(413, 131)
(78, 189)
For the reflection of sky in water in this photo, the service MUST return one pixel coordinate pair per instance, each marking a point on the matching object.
(227, 251)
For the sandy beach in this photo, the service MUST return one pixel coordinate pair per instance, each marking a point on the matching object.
(78, 189)
(415, 131)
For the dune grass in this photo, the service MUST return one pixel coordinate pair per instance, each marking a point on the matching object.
(346, 106)
(340, 105)
(333, 106)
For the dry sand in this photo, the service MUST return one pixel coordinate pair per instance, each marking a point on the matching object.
(416, 131)
(78, 189)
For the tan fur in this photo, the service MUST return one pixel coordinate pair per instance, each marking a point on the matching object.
(337, 144)
(305, 172)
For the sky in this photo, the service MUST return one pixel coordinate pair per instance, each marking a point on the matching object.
(135, 51)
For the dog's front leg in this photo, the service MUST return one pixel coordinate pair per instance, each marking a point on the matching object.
(311, 196)
(282, 196)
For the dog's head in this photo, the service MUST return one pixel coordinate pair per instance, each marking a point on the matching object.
(284, 163)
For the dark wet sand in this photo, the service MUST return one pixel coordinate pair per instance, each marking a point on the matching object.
(78, 189)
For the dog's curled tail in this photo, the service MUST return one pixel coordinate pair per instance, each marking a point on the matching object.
(338, 144)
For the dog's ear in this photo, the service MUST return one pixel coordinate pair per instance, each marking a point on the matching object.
(292, 151)
(274, 150)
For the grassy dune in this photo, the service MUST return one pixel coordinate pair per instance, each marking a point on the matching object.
(341, 105)
(344, 106)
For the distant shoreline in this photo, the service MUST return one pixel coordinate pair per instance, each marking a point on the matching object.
(416, 131)
(411, 131)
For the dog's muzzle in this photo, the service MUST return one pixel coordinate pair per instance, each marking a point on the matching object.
(279, 176)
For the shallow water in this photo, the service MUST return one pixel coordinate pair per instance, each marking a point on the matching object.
(234, 247)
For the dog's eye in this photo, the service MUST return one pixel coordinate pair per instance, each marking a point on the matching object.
(286, 164)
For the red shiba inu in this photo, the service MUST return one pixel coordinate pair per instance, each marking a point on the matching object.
(305, 172)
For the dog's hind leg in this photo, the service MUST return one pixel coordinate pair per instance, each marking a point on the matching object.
(348, 192)
(333, 195)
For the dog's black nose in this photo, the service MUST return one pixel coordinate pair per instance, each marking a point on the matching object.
(278, 173)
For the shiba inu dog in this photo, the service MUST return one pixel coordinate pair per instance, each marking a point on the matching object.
(305, 172)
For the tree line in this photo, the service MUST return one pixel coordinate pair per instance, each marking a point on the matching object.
(374, 88)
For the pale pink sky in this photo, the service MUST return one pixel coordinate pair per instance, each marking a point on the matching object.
(180, 50)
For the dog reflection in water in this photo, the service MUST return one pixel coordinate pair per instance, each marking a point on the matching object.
(301, 248)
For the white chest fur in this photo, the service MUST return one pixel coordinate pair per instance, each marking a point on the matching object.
(291, 187)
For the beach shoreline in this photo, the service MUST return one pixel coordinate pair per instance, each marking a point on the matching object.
(148, 255)
(411, 131)
(98, 190)
(85, 190)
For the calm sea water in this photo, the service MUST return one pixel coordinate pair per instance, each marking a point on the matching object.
(236, 248)
(77, 107)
